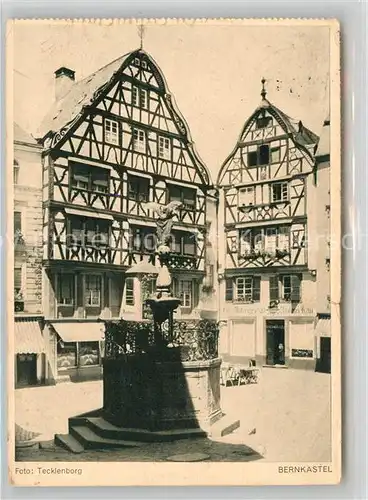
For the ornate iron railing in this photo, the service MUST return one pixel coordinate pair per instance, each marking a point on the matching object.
(191, 340)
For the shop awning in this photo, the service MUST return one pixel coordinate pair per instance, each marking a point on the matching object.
(28, 337)
(80, 331)
(84, 213)
(323, 326)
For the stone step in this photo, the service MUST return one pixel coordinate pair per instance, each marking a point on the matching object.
(89, 439)
(224, 426)
(68, 442)
(104, 428)
(62, 378)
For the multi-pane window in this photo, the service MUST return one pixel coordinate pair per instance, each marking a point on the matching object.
(268, 239)
(143, 239)
(129, 291)
(183, 243)
(90, 178)
(139, 140)
(88, 232)
(97, 233)
(247, 289)
(279, 192)
(186, 196)
(138, 188)
(185, 293)
(139, 97)
(111, 131)
(164, 147)
(285, 287)
(261, 156)
(65, 289)
(246, 196)
(243, 289)
(92, 290)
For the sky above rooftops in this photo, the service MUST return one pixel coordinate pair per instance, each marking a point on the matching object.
(214, 72)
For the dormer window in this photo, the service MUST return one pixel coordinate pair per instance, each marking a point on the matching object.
(139, 140)
(263, 122)
(164, 148)
(111, 131)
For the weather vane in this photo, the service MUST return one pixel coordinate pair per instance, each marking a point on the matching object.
(263, 92)
(141, 30)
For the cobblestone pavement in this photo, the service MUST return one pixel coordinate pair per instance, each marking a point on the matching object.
(285, 417)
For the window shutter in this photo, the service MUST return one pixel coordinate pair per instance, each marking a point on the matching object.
(195, 289)
(229, 293)
(17, 221)
(256, 288)
(274, 288)
(17, 278)
(295, 288)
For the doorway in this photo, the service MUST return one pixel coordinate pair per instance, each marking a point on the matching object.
(26, 369)
(325, 359)
(275, 342)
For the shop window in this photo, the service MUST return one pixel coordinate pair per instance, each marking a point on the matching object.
(66, 354)
(89, 353)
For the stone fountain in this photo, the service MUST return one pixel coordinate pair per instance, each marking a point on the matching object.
(161, 378)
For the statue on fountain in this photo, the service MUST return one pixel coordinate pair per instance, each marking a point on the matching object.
(164, 215)
(162, 303)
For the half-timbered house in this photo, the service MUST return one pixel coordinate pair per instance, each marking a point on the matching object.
(113, 142)
(268, 288)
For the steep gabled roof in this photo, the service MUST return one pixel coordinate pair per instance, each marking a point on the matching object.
(70, 108)
(81, 93)
(300, 134)
(323, 146)
(20, 135)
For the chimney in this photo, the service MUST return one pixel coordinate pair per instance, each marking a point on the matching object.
(64, 79)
